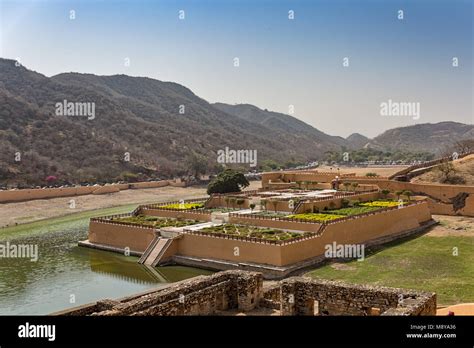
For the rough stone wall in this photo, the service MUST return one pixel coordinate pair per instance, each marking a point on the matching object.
(243, 290)
(199, 296)
(249, 290)
(298, 296)
(271, 297)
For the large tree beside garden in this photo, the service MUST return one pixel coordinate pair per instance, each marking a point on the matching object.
(228, 181)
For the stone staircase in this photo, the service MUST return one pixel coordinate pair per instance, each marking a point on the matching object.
(155, 251)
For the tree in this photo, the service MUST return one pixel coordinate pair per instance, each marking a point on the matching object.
(371, 174)
(355, 185)
(226, 200)
(269, 165)
(129, 177)
(398, 193)
(252, 207)
(263, 204)
(385, 193)
(228, 181)
(232, 201)
(408, 194)
(447, 171)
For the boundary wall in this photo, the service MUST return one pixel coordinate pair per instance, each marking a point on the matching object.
(8, 196)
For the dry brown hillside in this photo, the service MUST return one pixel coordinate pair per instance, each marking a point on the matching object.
(133, 115)
(464, 168)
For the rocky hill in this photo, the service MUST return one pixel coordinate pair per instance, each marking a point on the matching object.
(144, 128)
(159, 124)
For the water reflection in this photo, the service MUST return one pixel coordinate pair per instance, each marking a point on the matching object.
(66, 275)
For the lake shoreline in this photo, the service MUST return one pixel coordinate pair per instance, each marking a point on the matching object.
(20, 213)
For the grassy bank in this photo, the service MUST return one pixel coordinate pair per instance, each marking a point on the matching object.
(47, 224)
(425, 263)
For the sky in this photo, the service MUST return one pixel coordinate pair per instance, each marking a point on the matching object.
(293, 66)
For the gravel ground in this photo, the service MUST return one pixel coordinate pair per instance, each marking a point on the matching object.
(25, 212)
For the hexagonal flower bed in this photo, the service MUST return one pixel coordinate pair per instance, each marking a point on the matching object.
(156, 222)
(253, 232)
(356, 210)
(316, 217)
(380, 204)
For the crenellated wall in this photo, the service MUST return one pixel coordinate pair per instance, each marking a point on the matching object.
(178, 214)
(359, 230)
(441, 194)
(136, 238)
(371, 228)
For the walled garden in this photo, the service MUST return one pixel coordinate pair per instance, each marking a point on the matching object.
(154, 221)
(253, 232)
(350, 209)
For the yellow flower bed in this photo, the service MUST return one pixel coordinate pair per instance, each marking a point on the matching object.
(316, 217)
(183, 206)
(380, 204)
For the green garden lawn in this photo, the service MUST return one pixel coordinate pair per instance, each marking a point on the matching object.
(254, 232)
(156, 221)
(425, 263)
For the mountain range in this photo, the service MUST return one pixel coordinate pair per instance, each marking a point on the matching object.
(152, 128)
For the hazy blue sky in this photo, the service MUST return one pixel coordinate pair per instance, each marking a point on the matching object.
(282, 62)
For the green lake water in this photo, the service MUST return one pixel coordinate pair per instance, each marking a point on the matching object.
(66, 275)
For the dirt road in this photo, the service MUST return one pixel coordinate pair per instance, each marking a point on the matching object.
(25, 212)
